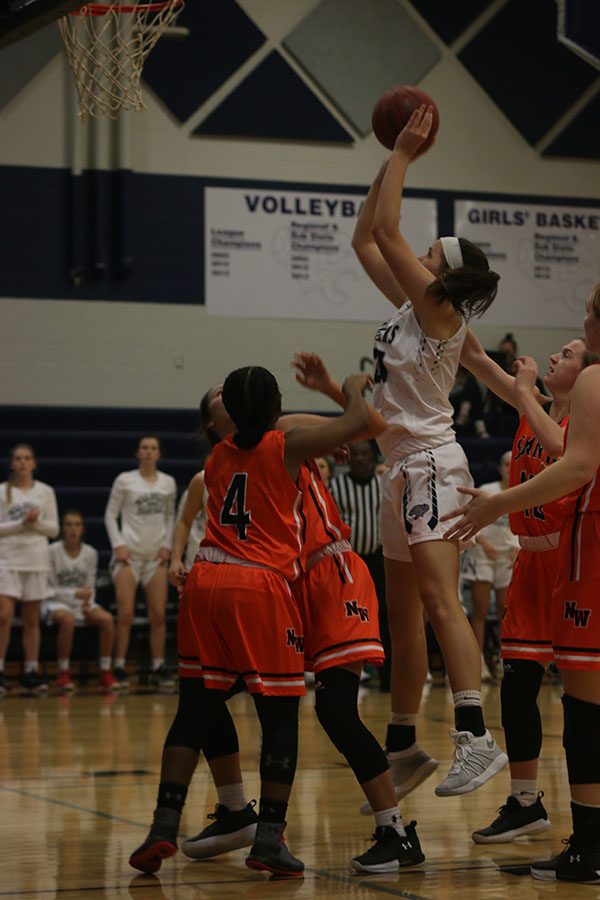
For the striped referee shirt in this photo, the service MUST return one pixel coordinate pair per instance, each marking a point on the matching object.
(359, 507)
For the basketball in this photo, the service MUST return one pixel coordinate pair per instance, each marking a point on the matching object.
(393, 110)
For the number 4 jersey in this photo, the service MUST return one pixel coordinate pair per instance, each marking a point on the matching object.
(254, 508)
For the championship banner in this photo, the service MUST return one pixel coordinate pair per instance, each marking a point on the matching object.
(287, 254)
(548, 259)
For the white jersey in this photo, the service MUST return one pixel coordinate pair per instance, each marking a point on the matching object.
(498, 533)
(197, 532)
(70, 573)
(146, 509)
(24, 548)
(414, 375)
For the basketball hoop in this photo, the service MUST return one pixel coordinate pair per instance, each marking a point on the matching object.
(107, 45)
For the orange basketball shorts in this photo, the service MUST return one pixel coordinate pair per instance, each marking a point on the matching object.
(526, 627)
(339, 609)
(576, 598)
(240, 620)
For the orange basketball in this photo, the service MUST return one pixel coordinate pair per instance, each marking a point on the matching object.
(393, 110)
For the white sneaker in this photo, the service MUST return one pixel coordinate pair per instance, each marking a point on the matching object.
(408, 772)
(476, 760)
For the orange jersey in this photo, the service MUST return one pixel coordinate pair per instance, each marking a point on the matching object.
(527, 460)
(254, 507)
(324, 524)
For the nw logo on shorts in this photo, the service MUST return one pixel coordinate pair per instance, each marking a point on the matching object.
(581, 617)
(353, 609)
(419, 510)
(295, 640)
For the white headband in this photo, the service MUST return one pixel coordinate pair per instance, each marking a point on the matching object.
(452, 252)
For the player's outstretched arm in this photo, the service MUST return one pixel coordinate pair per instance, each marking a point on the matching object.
(548, 432)
(578, 466)
(409, 272)
(322, 439)
(367, 251)
(312, 373)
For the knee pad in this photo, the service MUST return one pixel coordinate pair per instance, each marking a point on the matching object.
(520, 713)
(581, 740)
(336, 693)
(279, 723)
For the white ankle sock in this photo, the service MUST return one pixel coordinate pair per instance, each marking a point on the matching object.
(63, 665)
(157, 663)
(524, 790)
(31, 666)
(120, 662)
(104, 663)
(232, 796)
(392, 818)
(403, 718)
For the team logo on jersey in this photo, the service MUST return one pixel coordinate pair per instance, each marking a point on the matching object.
(150, 504)
(419, 510)
(295, 640)
(353, 609)
(581, 617)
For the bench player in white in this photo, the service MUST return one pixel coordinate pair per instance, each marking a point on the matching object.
(144, 500)
(73, 579)
(28, 517)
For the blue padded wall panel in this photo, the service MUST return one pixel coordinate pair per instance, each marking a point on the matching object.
(581, 137)
(518, 60)
(165, 227)
(449, 20)
(274, 102)
(185, 73)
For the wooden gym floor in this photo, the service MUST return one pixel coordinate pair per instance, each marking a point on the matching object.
(78, 779)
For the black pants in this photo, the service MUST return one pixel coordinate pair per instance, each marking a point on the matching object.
(376, 567)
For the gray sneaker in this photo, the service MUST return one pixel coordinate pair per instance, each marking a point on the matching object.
(476, 760)
(408, 772)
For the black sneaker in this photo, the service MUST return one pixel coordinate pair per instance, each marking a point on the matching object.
(160, 843)
(514, 820)
(573, 864)
(270, 854)
(230, 831)
(32, 684)
(391, 851)
(162, 678)
(121, 677)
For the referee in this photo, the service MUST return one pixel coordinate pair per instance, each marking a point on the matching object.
(357, 494)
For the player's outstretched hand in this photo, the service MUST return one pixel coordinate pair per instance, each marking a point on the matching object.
(481, 511)
(415, 132)
(311, 371)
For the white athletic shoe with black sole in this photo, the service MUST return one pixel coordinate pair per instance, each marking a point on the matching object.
(476, 760)
(514, 821)
(229, 831)
(408, 772)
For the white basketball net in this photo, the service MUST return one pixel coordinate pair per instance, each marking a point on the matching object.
(107, 45)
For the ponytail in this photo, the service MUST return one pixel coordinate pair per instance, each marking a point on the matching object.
(470, 288)
(252, 399)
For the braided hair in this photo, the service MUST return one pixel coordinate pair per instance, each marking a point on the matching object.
(252, 399)
(471, 289)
